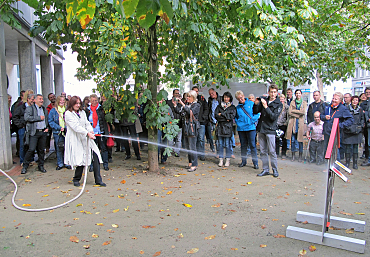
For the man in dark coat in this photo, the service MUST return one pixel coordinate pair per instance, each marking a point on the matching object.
(213, 101)
(317, 105)
(270, 109)
(365, 106)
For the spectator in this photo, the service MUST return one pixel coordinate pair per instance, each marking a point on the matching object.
(251, 98)
(69, 97)
(10, 113)
(315, 133)
(213, 101)
(347, 99)
(365, 105)
(142, 118)
(17, 103)
(335, 110)
(225, 114)
(177, 140)
(191, 107)
(352, 135)
(51, 98)
(363, 98)
(96, 116)
(282, 123)
(289, 96)
(317, 105)
(79, 129)
(36, 117)
(270, 109)
(19, 121)
(295, 130)
(246, 126)
(86, 103)
(57, 124)
(128, 130)
(203, 120)
(64, 94)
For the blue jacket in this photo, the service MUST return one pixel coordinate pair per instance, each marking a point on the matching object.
(54, 121)
(243, 122)
(341, 112)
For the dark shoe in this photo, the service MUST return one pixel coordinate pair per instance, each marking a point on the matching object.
(117, 150)
(242, 164)
(365, 164)
(348, 159)
(202, 158)
(76, 183)
(24, 170)
(128, 157)
(264, 173)
(319, 163)
(283, 157)
(42, 169)
(293, 156)
(59, 167)
(122, 150)
(192, 169)
(355, 159)
(275, 174)
(110, 160)
(91, 169)
(312, 161)
(300, 157)
(138, 158)
(363, 156)
(106, 168)
(255, 167)
(101, 184)
(68, 167)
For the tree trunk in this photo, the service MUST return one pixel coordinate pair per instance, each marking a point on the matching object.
(152, 86)
(320, 85)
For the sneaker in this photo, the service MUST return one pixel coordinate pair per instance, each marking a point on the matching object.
(76, 183)
(101, 184)
(110, 160)
(106, 168)
(128, 157)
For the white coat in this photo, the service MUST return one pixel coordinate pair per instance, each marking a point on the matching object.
(76, 140)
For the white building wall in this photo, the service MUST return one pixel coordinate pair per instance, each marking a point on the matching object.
(13, 89)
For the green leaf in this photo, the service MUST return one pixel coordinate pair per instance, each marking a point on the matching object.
(273, 30)
(129, 7)
(166, 11)
(146, 12)
(32, 3)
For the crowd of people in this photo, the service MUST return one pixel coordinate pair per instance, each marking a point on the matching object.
(274, 121)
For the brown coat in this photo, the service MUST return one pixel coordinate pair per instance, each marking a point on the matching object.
(293, 115)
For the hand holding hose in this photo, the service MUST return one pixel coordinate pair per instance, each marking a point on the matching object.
(91, 135)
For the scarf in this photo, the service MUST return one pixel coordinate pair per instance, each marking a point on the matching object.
(94, 115)
(354, 111)
(298, 102)
(61, 111)
(225, 105)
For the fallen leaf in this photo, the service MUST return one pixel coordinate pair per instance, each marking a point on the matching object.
(80, 204)
(147, 226)
(223, 226)
(216, 205)
(117, 210)
(141, 252)
(133, 237)
(193, 250)
(123, 181)
(157, 253)
(249, 183)
(45, 195)
(74, 239)
(234, 249)
(358, 202)
(302, 252)
(210, 237)
(169, 192)
(86, 246)
(275, 219)
(94, 235)
(26, 204)
(312, 248)
(349, 231)
(263, 226)
(115, 225)
(263, 246)
(180, 235)
(260, 193)
(107, 242)
(99, 224)
(125, 209)
(187, 205)
(279, 236)
(27, 180)
(360, 213)
(345, 213)
(76, 218)
(264, 209)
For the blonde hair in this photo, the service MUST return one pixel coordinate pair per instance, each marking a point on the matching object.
(25, 95)
(238, 93)
(282, 95)
(193, 94)
(58, 101)
(340, 95)
(94, 96)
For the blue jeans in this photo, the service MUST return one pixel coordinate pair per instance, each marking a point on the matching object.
(200, 140)
(294, 144)
(248, 139)
(60, 152)
(161, 142)
(227, 143)
(21, 144)
(209, 129)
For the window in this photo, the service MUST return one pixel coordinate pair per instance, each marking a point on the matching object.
(356, 74)
(358, 91)
(362, 73)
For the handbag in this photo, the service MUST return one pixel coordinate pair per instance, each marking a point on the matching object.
(61, 142)
(191, 126)
(353, 129)
(110, 140)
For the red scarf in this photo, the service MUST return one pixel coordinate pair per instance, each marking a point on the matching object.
(95, 115)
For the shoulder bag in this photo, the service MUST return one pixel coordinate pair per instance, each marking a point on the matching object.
(191, 126)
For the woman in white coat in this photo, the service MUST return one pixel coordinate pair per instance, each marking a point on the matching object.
(78, 129)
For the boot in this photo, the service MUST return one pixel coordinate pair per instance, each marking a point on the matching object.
(348, 159)
(276, 173)
(221, 163)
(300, 157)
(264, 173)
(355, 158)
(293, 156)
(227, 163)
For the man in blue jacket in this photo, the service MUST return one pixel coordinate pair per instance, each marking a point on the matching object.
(270, 109)
(246, 126)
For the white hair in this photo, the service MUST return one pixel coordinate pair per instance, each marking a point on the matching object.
(193, 94)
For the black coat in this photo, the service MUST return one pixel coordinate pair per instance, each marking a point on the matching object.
(267, 124)
(18, 116)
(184, 111)
(359, 119)
(365, 106)
(101, 117)
(219, 100)
(203, 112)
(225, 119)
(310, 114)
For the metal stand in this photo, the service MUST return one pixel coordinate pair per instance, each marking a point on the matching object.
(322, 237)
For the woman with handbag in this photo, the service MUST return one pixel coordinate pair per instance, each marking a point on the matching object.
(190, 126)
(79, 129)
(57, 124)
(352, 135)
(224, 114)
